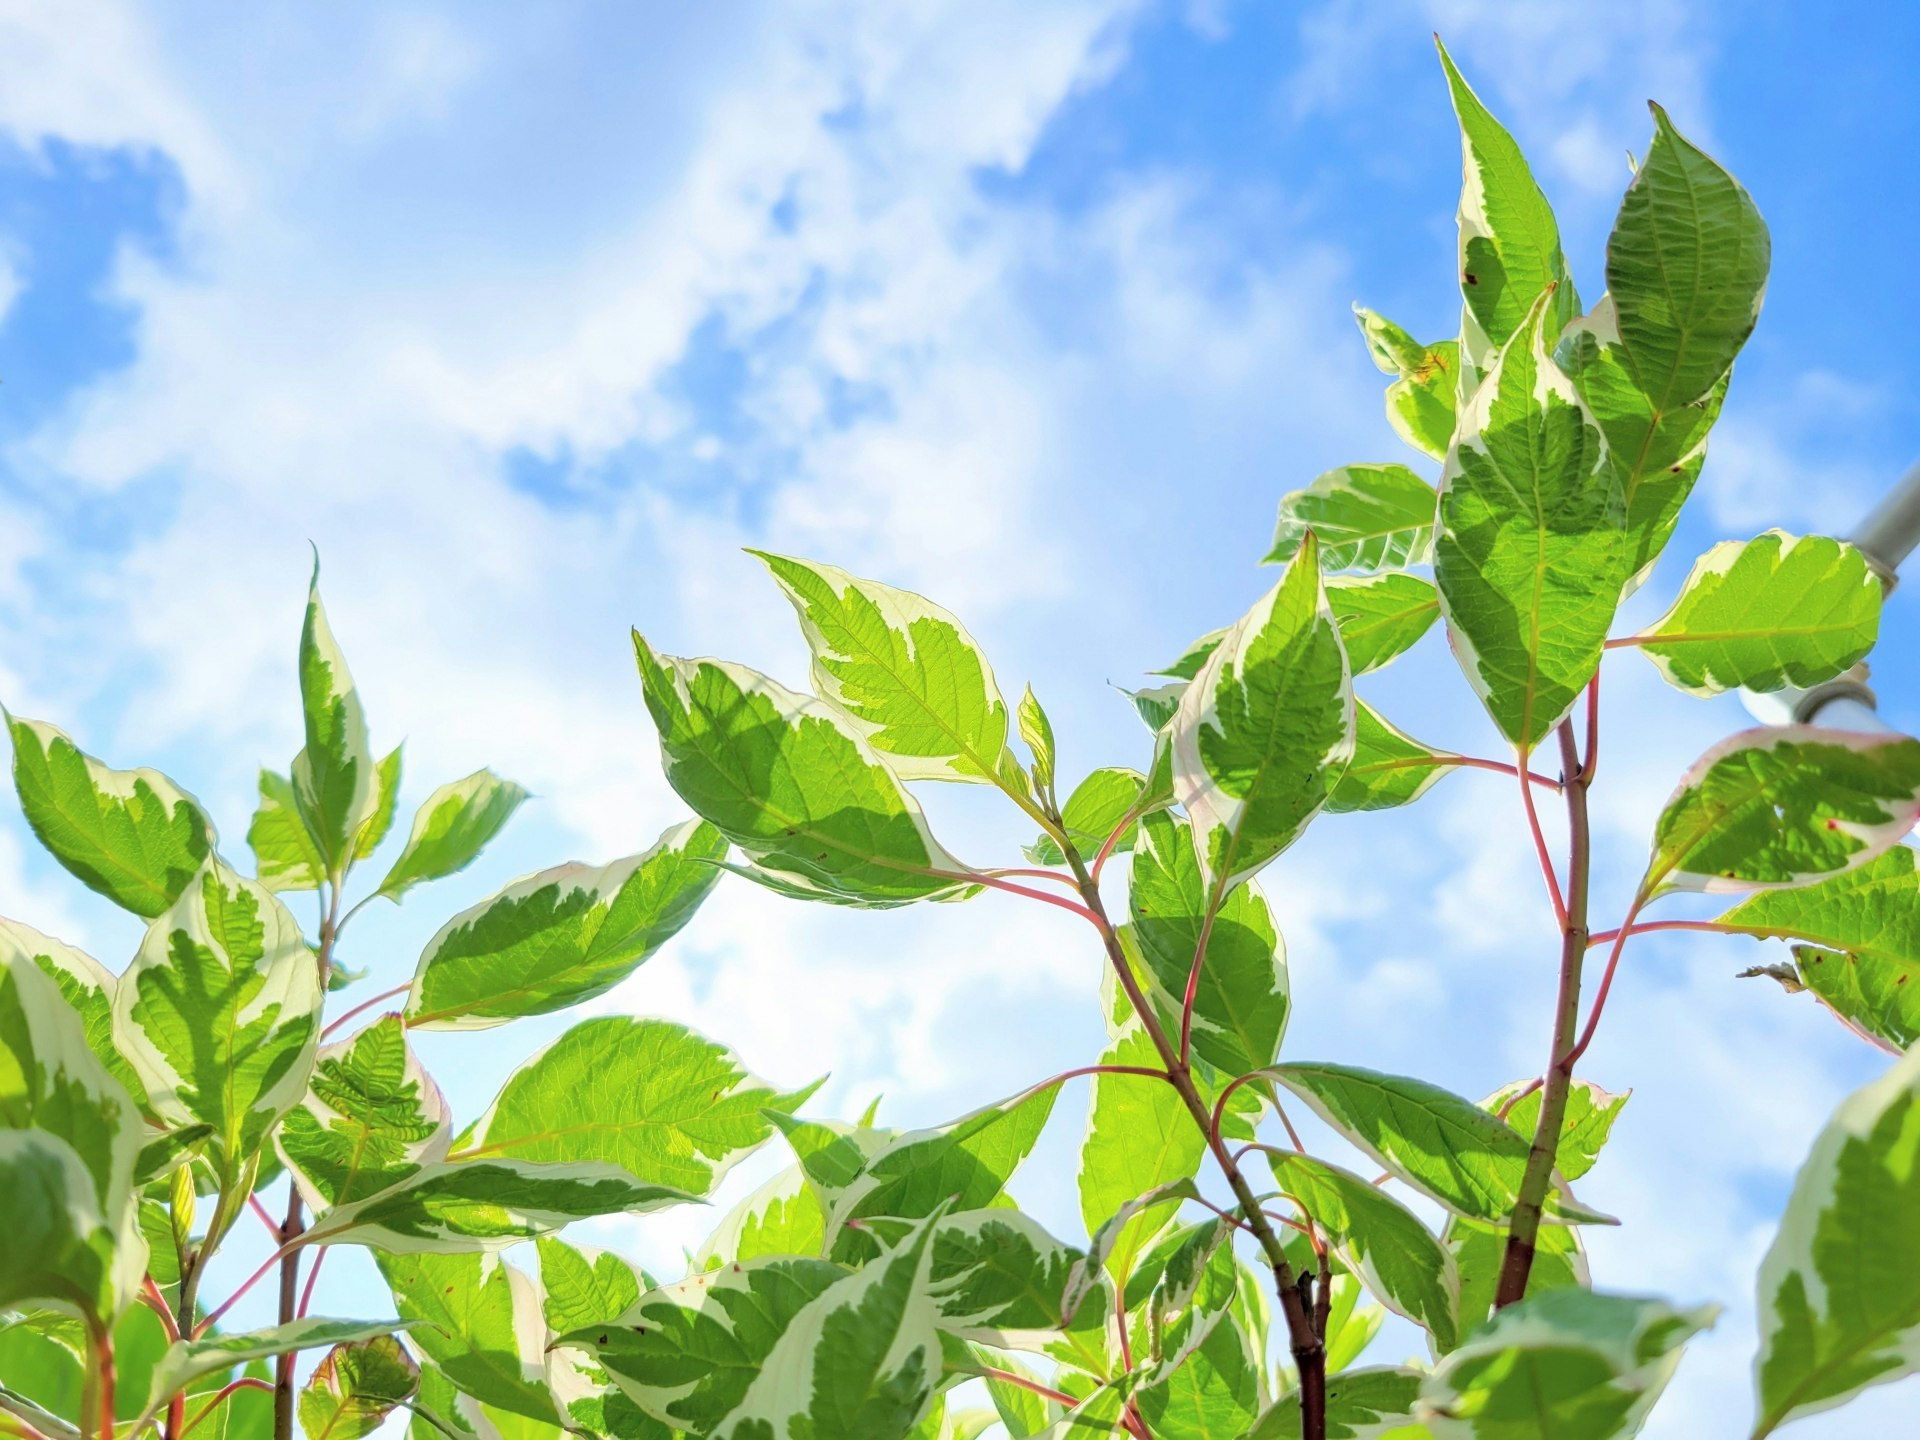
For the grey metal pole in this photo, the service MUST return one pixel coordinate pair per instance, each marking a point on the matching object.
(1889, 534)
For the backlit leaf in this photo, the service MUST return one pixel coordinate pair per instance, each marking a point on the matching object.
(189, 1360)
(86, 985)
(451, 828)
(783, 1217)
(1420, 401)
(1366, 517)
(1388, 768)
(1095, 809)
(1139, 1137)
(284, 855)
(336, 785)
(355, 1387)
(479, 1321)
(1381, 616)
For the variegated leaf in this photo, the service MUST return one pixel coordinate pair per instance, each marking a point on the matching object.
(1420, 401)
(451, 829)
(479, 1321)
(1366, 517)
(336, 784)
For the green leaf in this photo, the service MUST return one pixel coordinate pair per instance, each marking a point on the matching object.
(130, 835)
(450, 830)
(1381, 616)
(686, 1354)
(1156, 704)
(1766, 613)
(1366, 517)
(486, 1204)
(381, 821)
(1687, 268)
(1840, 1287)
(1584, 1127)
(1139, 1139)
(664, 1104)
(1479, 1250)
(1380, 1241)
(1509, 241)
(1370, 1404)
(1783, 806)
(336, 785)
(1568, 1364)
(1037, 730)
(1240, 1005)
(1024, 1413)
(85, 984)
(1420, 401)
(783, 1217)
(998, 1278)
(906, 674)
(1531, 550)
(189, 1360)
(356, 1387)
(1656, 455)
(588, 1287)
(791, 781)
(1870, 916)
(478, 1319)
(370, 1118)
(562, 936)
(284, 855)
(1265, 729)
(1388, 768)
(1213, 1394)
(1093, 812)
(219, 1013)
(1445, 1146)
(860, 1362)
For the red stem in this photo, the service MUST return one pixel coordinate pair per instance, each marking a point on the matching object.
(975, 877)
(1499, 767)
(1592, 762)
(1519, 1095)
(1054, 875)
(364, 1006)
(1606, 983)
(1712, 927)
(252, 1280)
(1546, 858)
(156, 1302)
(313, 1274)
(273, 1225)
(247, 1383)
(1193, 979)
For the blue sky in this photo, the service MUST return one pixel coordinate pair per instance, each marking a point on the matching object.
(529, 318)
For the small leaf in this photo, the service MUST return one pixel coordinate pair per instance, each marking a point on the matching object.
(1361, 1405)
(1366, 517)
(188, 1360)
(356, 1387)
(1563, 1363)
(1584, 1128)
(1687, 268)
(130, 835)
(1441, 1144)
(1380, 1241)
(336, 784)
(1381, 616)
(1840, 1287)
(562, 936)
(381, 821)
(284, 855)
(1766, 613)
(1093, 812)
(791, 781)
(1509, 241)
(450, 830)
(220, 1014)
(907, 675)
(1037, 731)
(1265, 729)
(1479, 1251)
(1420, 401)
(1531, 551)
(1783, 806)
(664, 1104)
(1388, 768)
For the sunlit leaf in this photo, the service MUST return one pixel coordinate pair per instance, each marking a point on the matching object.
(479, 1321)
(1381, 616)
(1093, 812)
(355, 1387)
(1420, 401)
(1366, 517)
(336, 784)
(1388, 768)
(451, 828)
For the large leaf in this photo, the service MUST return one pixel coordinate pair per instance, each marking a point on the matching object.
(1765, 613)
(371, 1117)
(1366, 517)
(1379, 1240)
(1443, 1145)
(451, 828)
(999, 1278)
(1784, 806)
(336, 784)
(132, 835)
(479, 1321)
(650, 1096)
(1381, 616)
(1568, 1364)
(588, 1288)
(284, 855)
(1840, 1286)
(353, 1390)
(1866, 923)
(783, 1217)
(486, 1205)
(1656, 455)
(220, 1013)
(1420, 401)
(792, 782)
(1094, 811)
(1214, 1393)
(1509, 241)
(86, 985)
(1265, 728)
(1389, 767)
(1531, 549)
(1240, 1004)
(861, 1361)
(904, 671)
(1687, 268)
(686, 1353)
(1140, 1136)
(562, 936)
